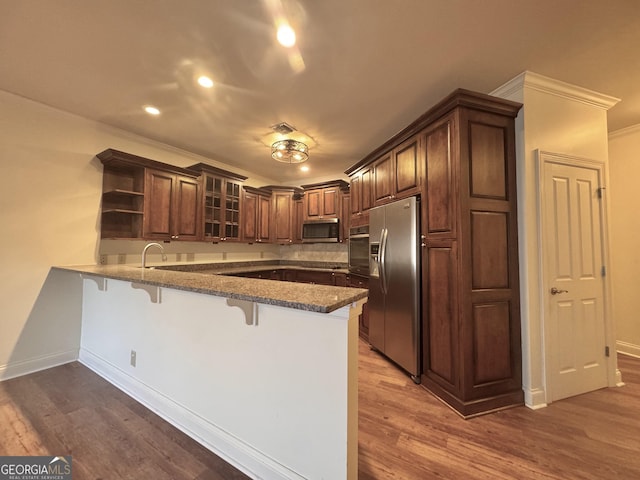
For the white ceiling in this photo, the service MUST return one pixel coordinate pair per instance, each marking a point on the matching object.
(370, 66)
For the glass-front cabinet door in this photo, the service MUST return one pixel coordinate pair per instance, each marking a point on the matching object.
(221, 203)
(232, 211)
(212, 207)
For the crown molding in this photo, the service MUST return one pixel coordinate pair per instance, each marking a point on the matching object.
(633, 129)
(558, 88)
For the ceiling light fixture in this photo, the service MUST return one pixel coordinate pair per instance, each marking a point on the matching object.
(289, 151)
(205, 81)
(151, 110)
(286, 35)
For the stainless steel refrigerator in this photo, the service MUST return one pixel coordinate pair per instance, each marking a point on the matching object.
(394, 283)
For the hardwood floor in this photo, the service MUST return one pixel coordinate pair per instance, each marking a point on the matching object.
(405, 432)
(69, 410)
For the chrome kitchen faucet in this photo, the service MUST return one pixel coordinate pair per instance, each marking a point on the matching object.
(144, 253)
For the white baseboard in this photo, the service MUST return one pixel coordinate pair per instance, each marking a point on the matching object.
(231, 449)
(628, 349)
(535, 399)
(32, 365)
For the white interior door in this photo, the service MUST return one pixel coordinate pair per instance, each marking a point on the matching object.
(573, 284)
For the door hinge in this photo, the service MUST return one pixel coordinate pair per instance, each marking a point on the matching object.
(603, 271)
(599, 191)
(606, 351)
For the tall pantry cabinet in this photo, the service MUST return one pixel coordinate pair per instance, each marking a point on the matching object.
(470, 312)
(471, 297)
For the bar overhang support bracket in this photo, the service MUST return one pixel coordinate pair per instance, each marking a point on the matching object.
(250, 309)
(154, 291)
(101, 282)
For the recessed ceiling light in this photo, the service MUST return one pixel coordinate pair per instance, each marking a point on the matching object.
(151, 110)
(286, 35)
(304, 168)
(205, 82)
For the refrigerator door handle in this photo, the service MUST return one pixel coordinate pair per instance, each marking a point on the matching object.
(383, 255)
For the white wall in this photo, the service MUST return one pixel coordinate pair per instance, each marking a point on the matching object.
(559, 118)
(50, 189)
(624, 171)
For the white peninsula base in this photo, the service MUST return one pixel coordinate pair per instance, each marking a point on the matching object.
(276, 398)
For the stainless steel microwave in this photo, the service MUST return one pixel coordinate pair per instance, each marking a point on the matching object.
(326, 230)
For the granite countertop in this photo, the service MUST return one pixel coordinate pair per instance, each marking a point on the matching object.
(230, 268)
(301, 296)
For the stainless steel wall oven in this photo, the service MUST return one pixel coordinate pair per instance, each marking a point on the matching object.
(359, 250)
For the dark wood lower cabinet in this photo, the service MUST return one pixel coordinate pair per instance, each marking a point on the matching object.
(314, 277)
(275, 274)
(358, 281)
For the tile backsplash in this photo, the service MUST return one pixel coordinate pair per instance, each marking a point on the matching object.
(129, 252)
(315, 252)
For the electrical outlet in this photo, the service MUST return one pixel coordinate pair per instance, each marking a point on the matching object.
(122, 258)
(133, 358)
(104, 259)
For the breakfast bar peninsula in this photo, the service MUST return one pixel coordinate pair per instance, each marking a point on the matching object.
(262, 372)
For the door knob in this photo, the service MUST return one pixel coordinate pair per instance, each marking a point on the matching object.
(555, 291)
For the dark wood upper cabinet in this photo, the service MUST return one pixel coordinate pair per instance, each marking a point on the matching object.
(298, 218)
(264, 218)
(321, 203)
(345, 216)
(408, 162)
(283, 221)
(397, 174)
(356, 195)
(314, 203)
(256, 215)
(440, 181)
(282, 217)
(122, 198)
(221, 203)
(367, 190)
(393, 174)
(143, 198)
(322, 200)
(172, 206)
(383, 179)
(361, 197)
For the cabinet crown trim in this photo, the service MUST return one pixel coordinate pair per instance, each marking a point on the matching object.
(331, 183)
(206, 168)
(458, 98)
(114, 157)
(283, 188)
(256, 190)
